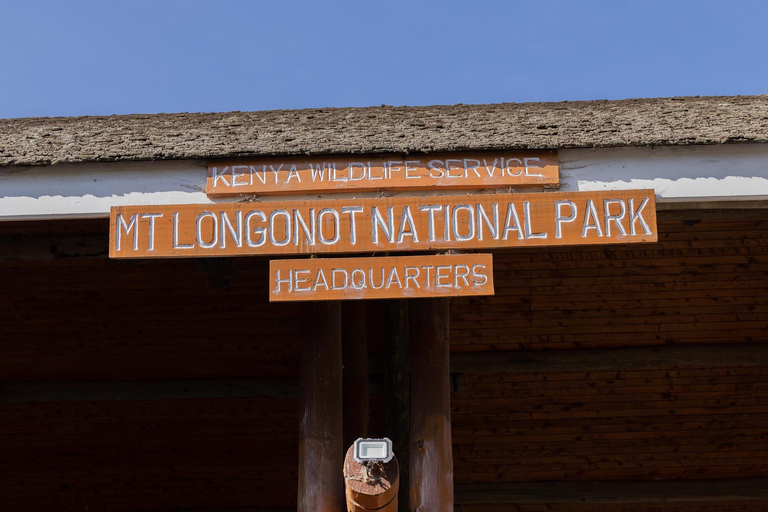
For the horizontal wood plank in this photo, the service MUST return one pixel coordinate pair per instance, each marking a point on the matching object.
(336, 173)
(445, 275)
(386, 224)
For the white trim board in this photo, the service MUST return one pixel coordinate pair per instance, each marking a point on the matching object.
(730, 173)
(677, 173)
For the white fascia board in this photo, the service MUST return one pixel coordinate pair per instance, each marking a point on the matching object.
(731, 173)
(737, 172)
(89, 190)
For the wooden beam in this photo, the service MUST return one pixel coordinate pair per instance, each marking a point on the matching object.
(397, 387)
(716, 215)
(757, 204)
(431, 455)
(395, 382)
(90, 391)
(692, 491)
(666, 356)
(321, 454)
(354, 356)
(677, 174)
(46, 247)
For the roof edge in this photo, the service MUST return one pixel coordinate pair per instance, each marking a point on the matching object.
(674, 121)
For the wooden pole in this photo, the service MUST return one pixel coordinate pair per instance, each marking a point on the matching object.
(354, 355)
(397, 368)
(374, 487)
(431, 456)
(321, 453)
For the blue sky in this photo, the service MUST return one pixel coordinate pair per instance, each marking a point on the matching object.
(100, 57)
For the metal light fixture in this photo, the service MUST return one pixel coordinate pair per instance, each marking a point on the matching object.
(373, 450)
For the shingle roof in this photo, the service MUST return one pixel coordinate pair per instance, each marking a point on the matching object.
(638, 122)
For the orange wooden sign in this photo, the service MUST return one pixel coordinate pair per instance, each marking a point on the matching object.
(370, 225)
(383, 277)
(296, 175)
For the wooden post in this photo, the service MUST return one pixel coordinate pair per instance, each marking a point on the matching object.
(321, 453)
(431, 456)
(354, 355)
(371, 488)
(396, 369)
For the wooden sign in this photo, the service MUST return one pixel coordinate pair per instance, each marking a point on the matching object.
(383, 277)
(419, 223)
(295, 175)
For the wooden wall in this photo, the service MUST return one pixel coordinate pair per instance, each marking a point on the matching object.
(167, 385)
(687, 423)
(148, 454)
(704, 283)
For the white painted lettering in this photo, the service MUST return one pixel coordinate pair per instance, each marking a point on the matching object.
(279, 281)
(236, 175)
(460, 275)
(176, 244)
(616, 219)
(352, 166)
(528, 232)
(428, 268)
(352, 210)
(471, 166)
(320, 281)
(335, 272)
(293, 173)
(375, 178)
(151, 235)
(334, 222)
(318, 172)
(235, 232)
(394, 277)
(507, 166)
(406, 221)
(591, 214)
(287, 229)
(275, 171)
(133, 224)
(434, 170)
(446, 223)
(559, 219)
(360, 284)
(218, 175)
(635, 215)
(512, 223)
(370, 279)
(298, 281)
(260, 231)
(261, 174)
(440, 275)
(482, 218)
(394, 168)
(528, 162)
(454, 167)
(412, 274)
(377, 221)
(491, 170)
(478, 275)
(408, 169)
(470, 222)
(214, 230)
(299, 224)
(336, 177)
(430, 209)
